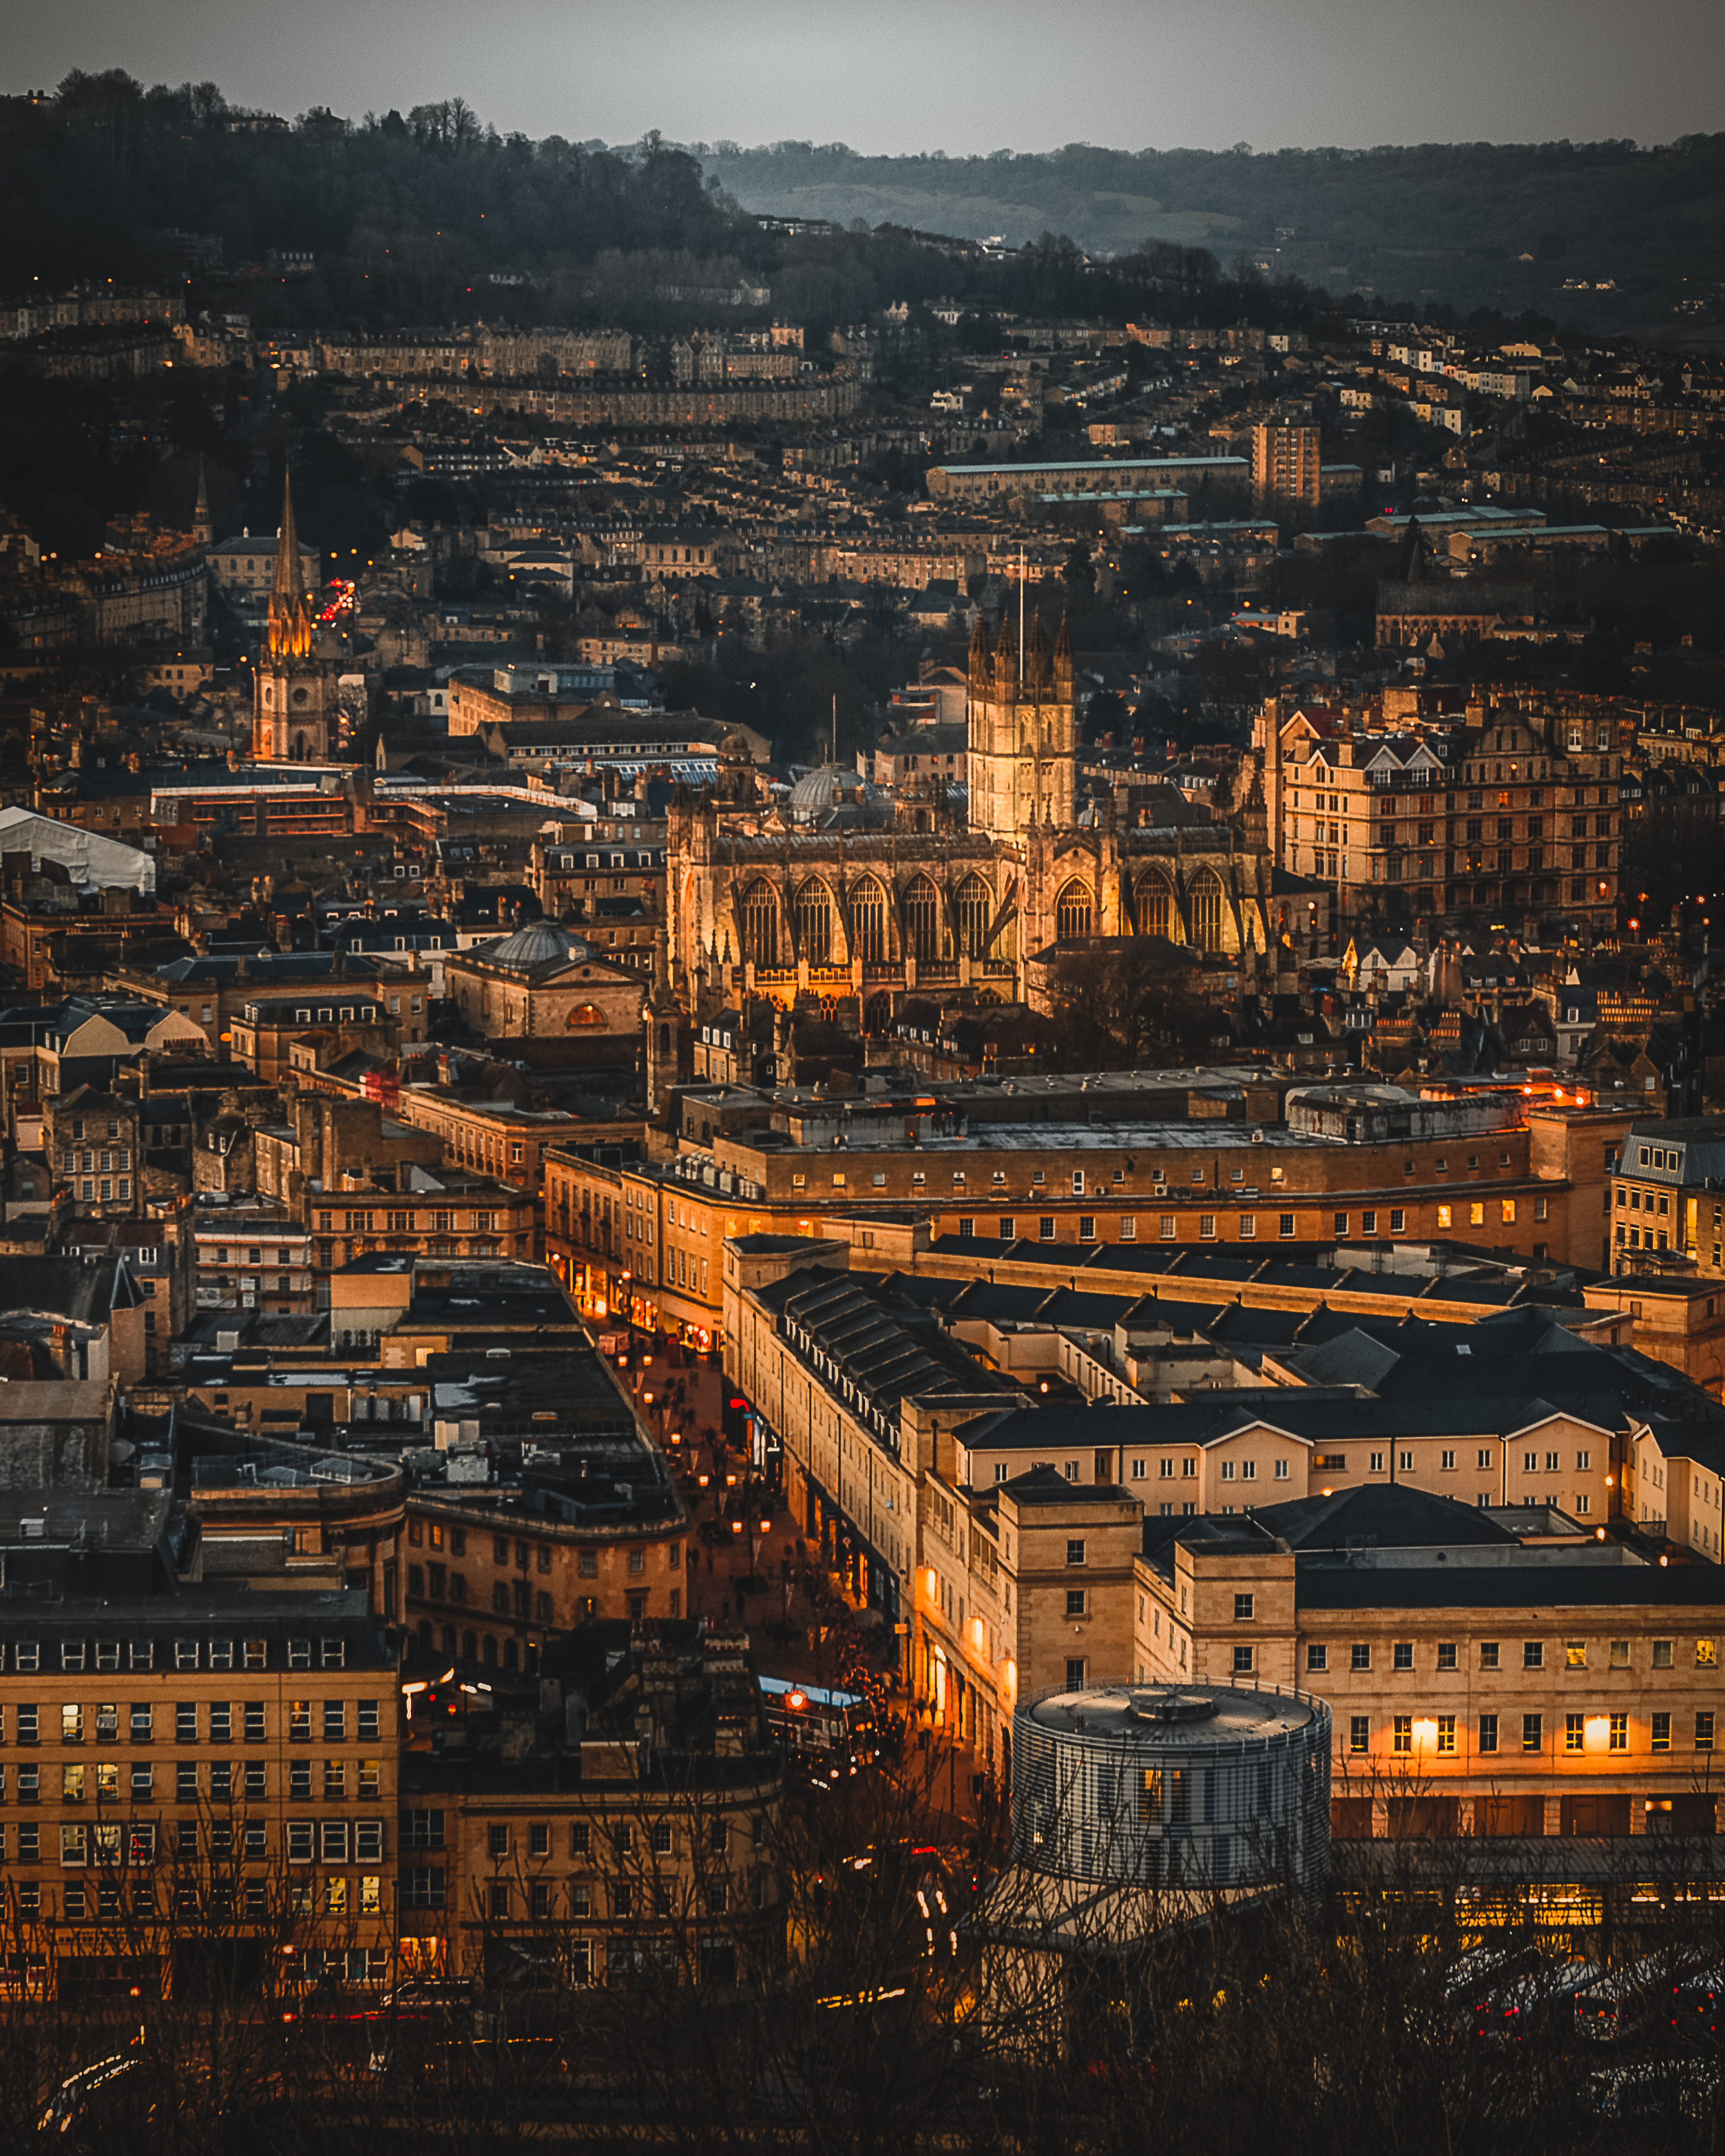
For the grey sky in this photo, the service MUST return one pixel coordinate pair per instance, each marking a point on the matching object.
(889, 75)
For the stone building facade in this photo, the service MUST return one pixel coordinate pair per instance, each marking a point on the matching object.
(941, 902)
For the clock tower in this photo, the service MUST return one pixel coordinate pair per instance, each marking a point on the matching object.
(294, 719)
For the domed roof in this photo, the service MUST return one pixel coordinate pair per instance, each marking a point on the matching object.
(834, 785)
(540, 943)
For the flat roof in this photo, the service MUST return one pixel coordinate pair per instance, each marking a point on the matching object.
(1171, 1717)
(1101, 465)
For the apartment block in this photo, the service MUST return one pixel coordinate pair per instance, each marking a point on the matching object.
(629, 1830)
(186, 1765)
(1514, 811)
(1479, 1684)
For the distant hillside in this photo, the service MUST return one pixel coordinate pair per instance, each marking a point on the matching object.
(1516, 227)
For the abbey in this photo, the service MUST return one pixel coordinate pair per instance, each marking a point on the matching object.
(843, 896)
(295, 718)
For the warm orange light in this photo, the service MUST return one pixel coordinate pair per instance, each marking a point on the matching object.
(796, 1700)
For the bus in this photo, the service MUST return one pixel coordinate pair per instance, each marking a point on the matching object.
(830, 1733)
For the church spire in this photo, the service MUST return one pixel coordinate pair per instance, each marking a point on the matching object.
(202, 532)
(289, 602)
(978, 654)
(1036, 650)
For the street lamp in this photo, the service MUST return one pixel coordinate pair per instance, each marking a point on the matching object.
(745, 1522)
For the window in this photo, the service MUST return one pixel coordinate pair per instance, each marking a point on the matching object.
(1446, 1732)
(497, 1841)
(1704, 1731)
(1401, 1654)
(1376, 1463)
(1359, 1733)
(1242, 1661)
(256, 1732)
(1532, 1654)
(335, 1721)
(1317, 1656)
(1402, 1739)
(1704, 1656)
(1620, 1732)
(1574, 1732)
(1488, 1732)
(1662, 1654)
(1446, 1654)
(1075, 1602)
(1532, 1733)
(1074, 1552)
(1575, 1654)
(1242, 1609)
(1360, 1655)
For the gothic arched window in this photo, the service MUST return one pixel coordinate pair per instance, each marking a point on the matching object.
(1156, 907)
(868, 922)
(814, 923)
(924, 931)
(1204, 906)
(1073, 911)
(976, 910)
(760, 924)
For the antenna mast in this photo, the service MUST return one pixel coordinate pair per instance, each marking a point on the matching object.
(1021, 617)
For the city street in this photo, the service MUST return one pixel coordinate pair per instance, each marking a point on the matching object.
(785, 1623)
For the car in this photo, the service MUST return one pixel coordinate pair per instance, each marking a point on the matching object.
(72, 2103)
(1626, 1998)
(1697, 2003)
(1516, 2010)
(1658, 2088)
(427, 1994)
